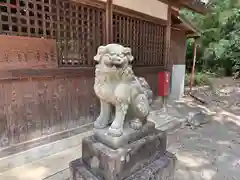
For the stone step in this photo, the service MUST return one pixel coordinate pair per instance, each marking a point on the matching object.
(47, 168)
(51, 167)
(39, 152)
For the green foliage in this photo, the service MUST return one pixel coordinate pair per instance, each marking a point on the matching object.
(200, 79)
(220, 72)
(220, 40)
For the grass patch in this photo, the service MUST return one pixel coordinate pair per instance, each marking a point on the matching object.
(200, 79)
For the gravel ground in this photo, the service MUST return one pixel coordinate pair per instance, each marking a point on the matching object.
(208, 153)
(211, 152)
(226, 94)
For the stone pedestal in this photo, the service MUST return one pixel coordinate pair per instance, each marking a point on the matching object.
(162, 168)
(144, 158)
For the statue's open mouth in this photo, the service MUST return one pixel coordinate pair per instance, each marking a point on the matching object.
(116, 65)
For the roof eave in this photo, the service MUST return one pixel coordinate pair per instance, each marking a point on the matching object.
(197, 8)
(193, 35)
(193, 5)
(190, 30)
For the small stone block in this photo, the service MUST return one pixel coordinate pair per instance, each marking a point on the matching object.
(129, 135)
(112, 164)
(162, 168)
(79, 171)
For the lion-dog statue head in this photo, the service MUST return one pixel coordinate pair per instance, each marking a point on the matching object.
(113, 56)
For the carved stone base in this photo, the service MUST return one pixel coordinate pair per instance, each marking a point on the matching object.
(145, 157)
(129, 135)
(162, 168)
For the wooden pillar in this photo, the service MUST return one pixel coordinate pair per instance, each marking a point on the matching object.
(167, 43)
(109, 21)
(193, 65)
(168, 36)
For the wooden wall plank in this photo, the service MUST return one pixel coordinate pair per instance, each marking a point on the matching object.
(26, 52)
(31, 108)
(109, 21)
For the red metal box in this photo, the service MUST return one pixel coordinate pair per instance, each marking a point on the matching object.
(163, 83)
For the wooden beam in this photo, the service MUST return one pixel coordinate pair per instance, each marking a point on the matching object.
(109, 21)
(193, 66)
(168, 30)
(168, 35)
(139, 15)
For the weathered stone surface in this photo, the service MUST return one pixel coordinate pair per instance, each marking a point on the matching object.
(117, 86)
(118, 164)
(162, 168)
(129, 135)
(79, 171)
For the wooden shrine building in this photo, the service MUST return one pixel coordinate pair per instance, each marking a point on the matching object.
(47, 67)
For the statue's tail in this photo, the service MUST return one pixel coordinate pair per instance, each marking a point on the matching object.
(146, 89)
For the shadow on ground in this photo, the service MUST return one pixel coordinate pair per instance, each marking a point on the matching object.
(223, 94)
(211, 152)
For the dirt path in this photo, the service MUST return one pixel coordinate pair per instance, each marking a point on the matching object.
(208, 153)
(225, 93)
(211, 152)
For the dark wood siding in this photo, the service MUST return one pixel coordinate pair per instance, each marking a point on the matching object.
(47, 67)
(34, 108)
(178, 47)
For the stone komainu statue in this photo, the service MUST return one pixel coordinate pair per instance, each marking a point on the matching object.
(117, 86)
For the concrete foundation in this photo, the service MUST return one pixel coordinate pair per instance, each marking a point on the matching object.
(178, 77)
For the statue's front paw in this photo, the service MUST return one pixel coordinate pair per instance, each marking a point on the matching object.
(115, 132)
(100, 123)
(136, 124)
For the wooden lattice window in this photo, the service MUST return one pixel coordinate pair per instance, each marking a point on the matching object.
(27, 17)
(146, 39)
(81, 31)
(77, 27)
